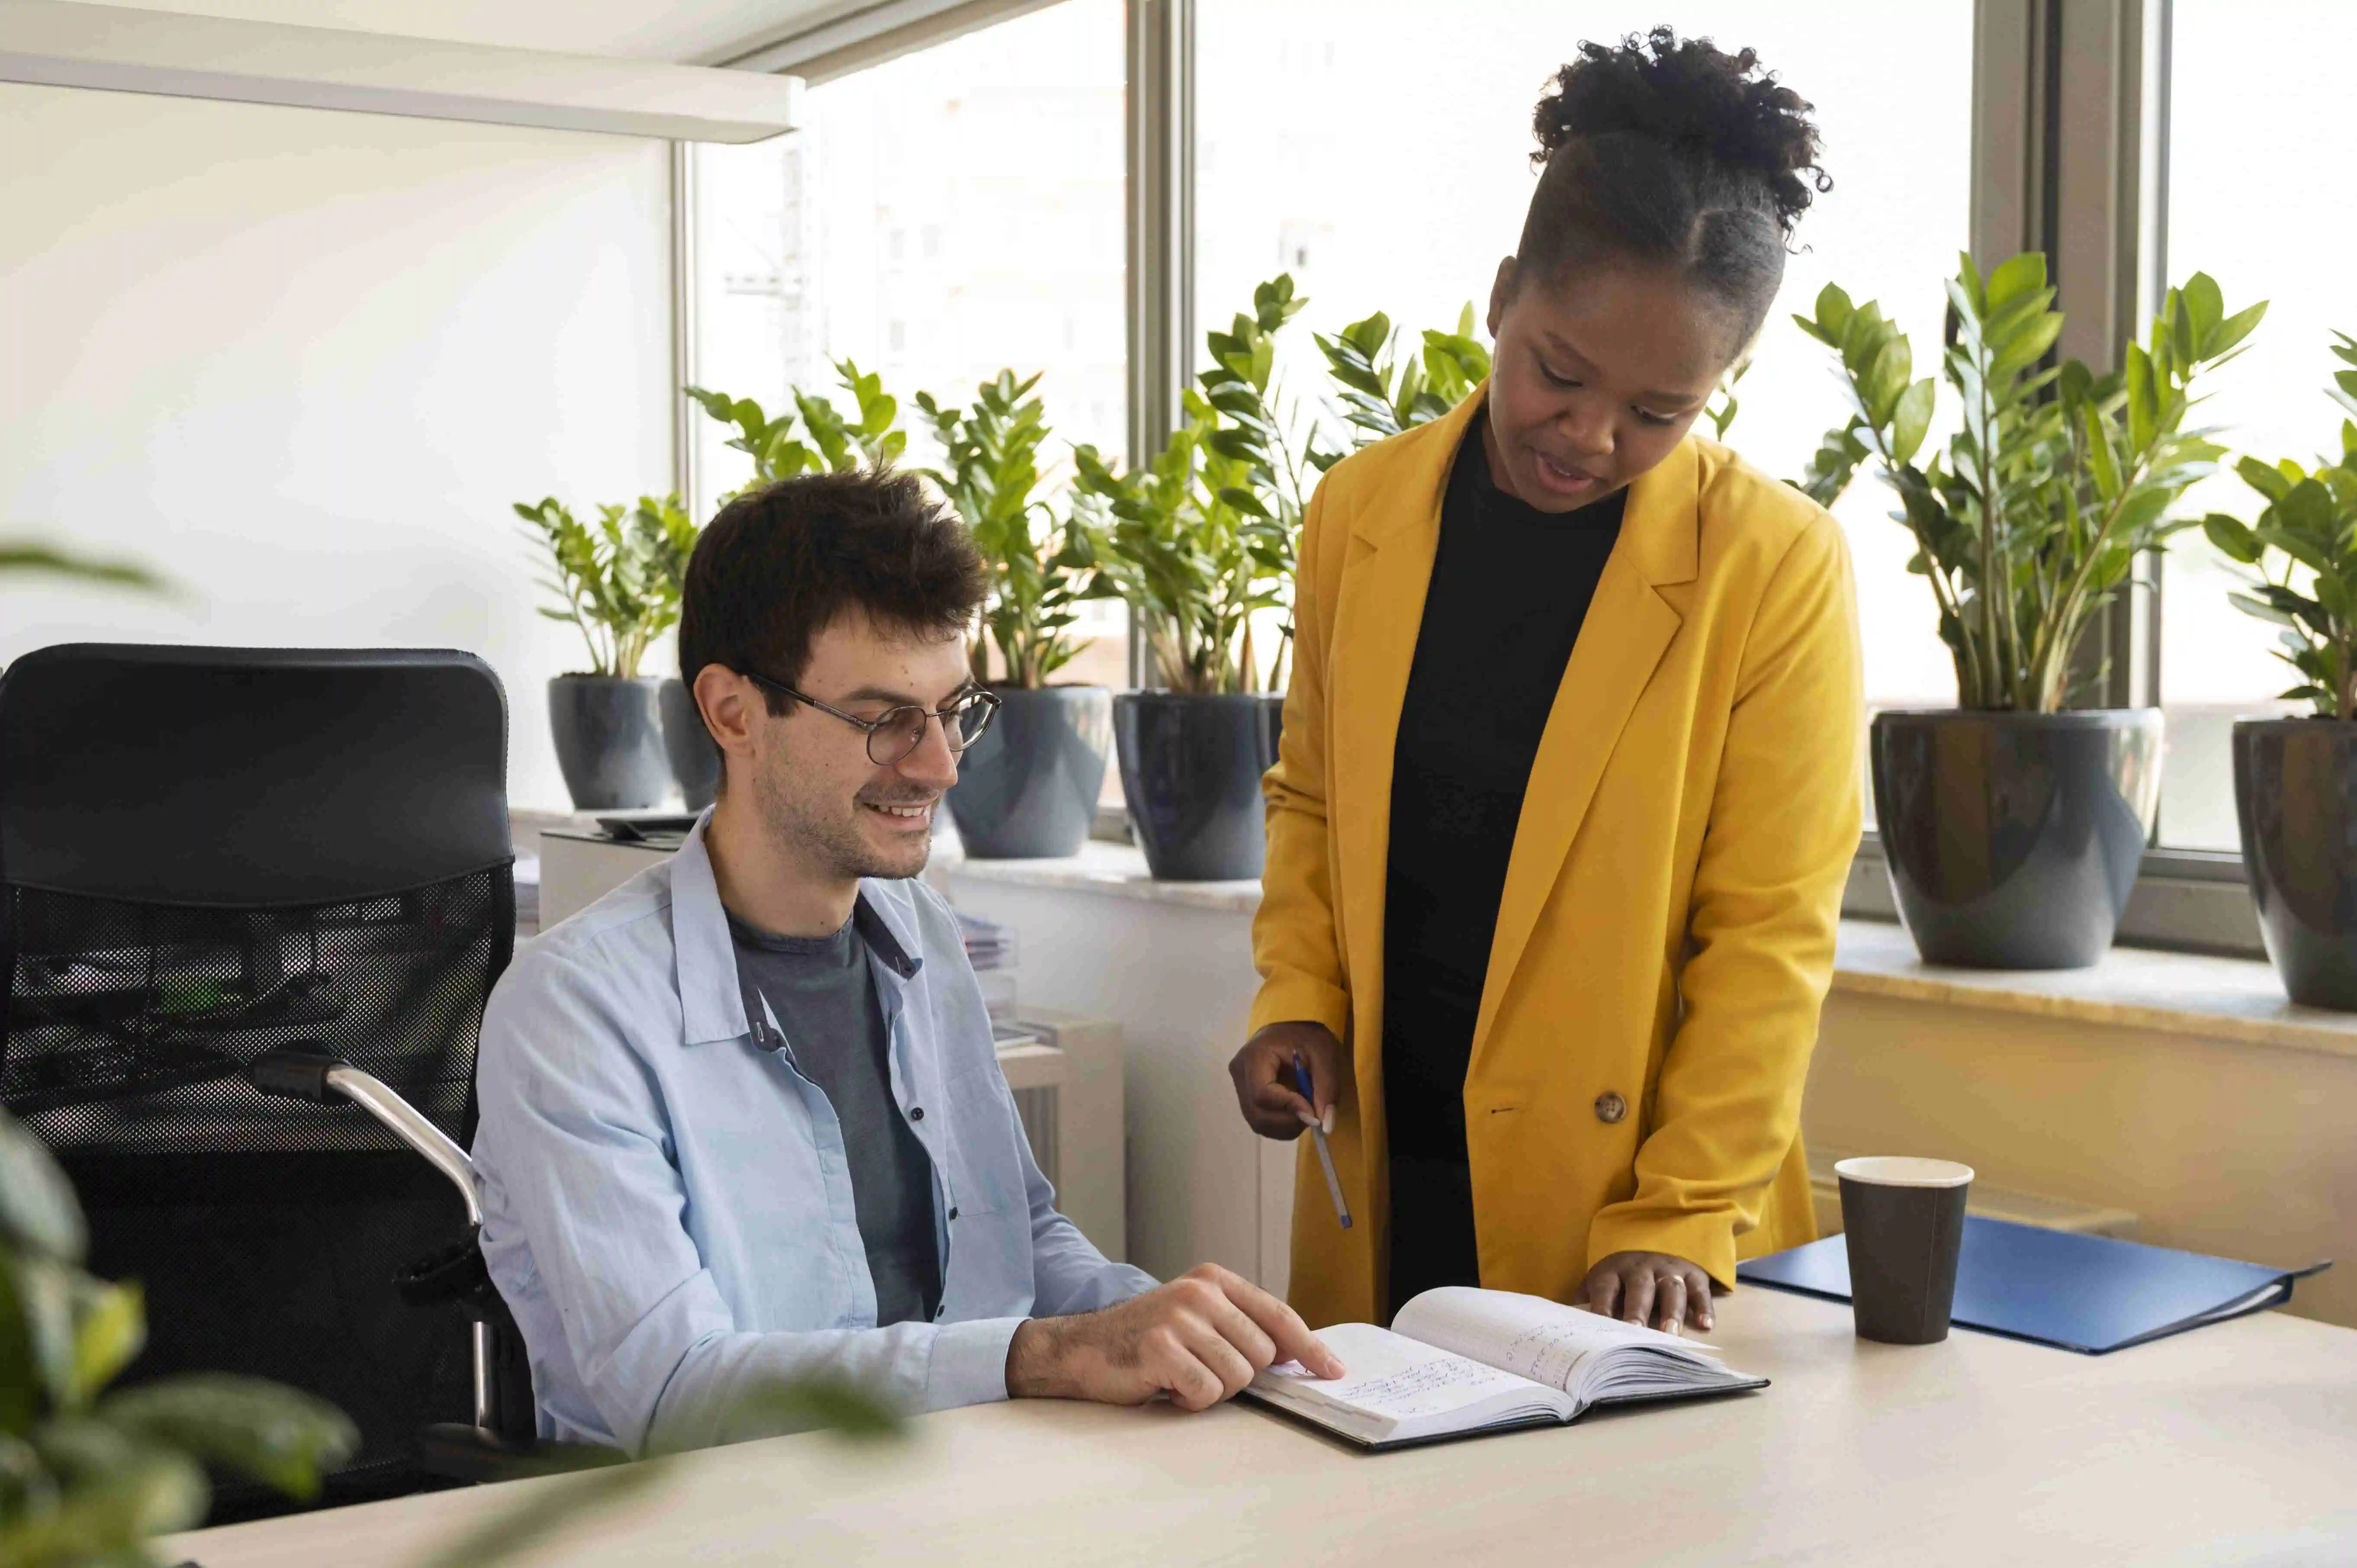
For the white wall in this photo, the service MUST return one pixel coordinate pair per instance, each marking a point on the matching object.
(302, 362)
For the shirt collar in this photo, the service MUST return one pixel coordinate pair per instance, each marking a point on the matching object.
(712, 1006)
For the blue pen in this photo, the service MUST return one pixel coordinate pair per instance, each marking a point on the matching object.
(1325, 1155)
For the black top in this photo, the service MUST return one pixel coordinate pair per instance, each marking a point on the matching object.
(1510, 585)
(824, 995)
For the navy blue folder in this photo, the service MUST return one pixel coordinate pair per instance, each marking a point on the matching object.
(2089, 1294)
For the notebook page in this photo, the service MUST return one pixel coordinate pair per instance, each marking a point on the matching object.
(1548, 1342)
(1395, 1386)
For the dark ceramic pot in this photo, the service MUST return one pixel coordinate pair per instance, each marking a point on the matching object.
(2014, 839)
(1190, 769)
(2294, 795)
(1027, 790)
(608, 741)
(695, 759)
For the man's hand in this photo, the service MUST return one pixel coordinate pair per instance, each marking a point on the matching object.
(1199, 1339)
(1650, 1288)
(1263, 1074)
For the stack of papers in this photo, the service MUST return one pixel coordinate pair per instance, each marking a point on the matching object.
(988, 944)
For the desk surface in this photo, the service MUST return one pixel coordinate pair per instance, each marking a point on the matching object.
(2232, 1444)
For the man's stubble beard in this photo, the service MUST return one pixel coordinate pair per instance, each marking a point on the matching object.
(823, 837)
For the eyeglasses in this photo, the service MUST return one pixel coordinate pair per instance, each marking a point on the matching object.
(901, 730)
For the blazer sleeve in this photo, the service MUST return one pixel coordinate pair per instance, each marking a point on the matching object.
(1296, 945)
(1760, 926)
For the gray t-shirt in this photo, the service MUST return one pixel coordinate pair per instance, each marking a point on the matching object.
(824, 996)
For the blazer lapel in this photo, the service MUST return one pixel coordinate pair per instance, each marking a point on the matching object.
(1380, 607)
(1628, 629)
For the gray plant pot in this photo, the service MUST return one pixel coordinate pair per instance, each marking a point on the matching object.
(1190, 767)
(1027, 790)
(2014, 839)
(695, 759)
(608, 741)
(2295, 795)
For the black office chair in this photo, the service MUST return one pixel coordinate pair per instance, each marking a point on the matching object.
(252, 902)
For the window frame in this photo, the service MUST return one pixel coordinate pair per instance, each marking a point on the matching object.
(2081, 174)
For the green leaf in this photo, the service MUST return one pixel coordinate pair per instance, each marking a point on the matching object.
(112, 1326)
(1911, 420)
(2206, 307)
(280, 1437)
(2233, 539)
(2270, 482)
(2020, 274)
(117, 1497)
(2235, 328)
(39, 1211)
(2100, 461)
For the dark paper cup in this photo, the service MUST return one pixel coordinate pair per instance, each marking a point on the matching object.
(1903, 1220)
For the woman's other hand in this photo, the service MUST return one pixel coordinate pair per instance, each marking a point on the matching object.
(1262, 1071)
(1650, 1288)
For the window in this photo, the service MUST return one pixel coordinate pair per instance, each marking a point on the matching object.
(2243, 209)
(1384, 161)
(1002, 152)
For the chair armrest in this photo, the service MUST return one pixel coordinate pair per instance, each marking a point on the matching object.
(306, 1070)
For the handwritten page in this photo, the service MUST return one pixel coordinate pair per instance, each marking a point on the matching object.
(1531, 1336)
(1394, 1377)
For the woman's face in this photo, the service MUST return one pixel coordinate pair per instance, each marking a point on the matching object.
(1598, 374)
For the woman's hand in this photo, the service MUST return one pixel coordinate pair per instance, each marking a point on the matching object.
(1262, 1071)
(1650, 1288)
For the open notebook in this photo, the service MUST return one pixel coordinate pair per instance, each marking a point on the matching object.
(1457, 1361)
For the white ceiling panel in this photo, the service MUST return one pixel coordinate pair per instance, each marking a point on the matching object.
(678, 30)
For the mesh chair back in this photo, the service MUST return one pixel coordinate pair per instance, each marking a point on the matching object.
(206, 852)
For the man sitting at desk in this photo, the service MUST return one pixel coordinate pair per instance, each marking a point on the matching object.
(741, 1118)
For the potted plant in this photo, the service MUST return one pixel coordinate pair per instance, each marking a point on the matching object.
(1199, 542)
(618, 582)
(2293, 777)
(2013, 829)
(827, 441)
(1028, 787)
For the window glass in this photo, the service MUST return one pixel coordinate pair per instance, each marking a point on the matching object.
(2262, 224)
(937, 218)
(1384, 161)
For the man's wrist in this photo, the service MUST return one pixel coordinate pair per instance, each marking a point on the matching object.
(1031, 1356)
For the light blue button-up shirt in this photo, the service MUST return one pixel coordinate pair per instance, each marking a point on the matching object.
(667, 1206)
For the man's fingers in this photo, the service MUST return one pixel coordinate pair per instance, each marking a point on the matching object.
(1235, 1326)
(1191, 1384)
(1604, 1294)
(1289, 1337)
(1637, 1296)
(1220, 1357)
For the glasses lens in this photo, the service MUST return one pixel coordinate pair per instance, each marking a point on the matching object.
(899, 733)
(971, 717)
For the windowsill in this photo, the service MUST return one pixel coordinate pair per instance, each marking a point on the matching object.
(1118, 870)
(2234, 999)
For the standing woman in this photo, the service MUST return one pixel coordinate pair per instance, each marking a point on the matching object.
(1569, 788)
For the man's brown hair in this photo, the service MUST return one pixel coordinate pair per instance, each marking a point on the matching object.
(779, 564)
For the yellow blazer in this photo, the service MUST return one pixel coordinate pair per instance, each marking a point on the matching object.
(1666, 932)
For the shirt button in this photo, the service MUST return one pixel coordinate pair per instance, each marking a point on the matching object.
(918, 1115)
(1611, 1107)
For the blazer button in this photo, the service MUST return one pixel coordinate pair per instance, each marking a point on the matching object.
(953, 1214)
(1611, 1107)
(918, 1115)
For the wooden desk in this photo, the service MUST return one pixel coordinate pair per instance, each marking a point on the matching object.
(2236, 1444)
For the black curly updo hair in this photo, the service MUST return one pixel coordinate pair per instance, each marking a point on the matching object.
(1669, 151)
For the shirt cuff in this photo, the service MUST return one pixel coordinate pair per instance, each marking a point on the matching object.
(969, 1362)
